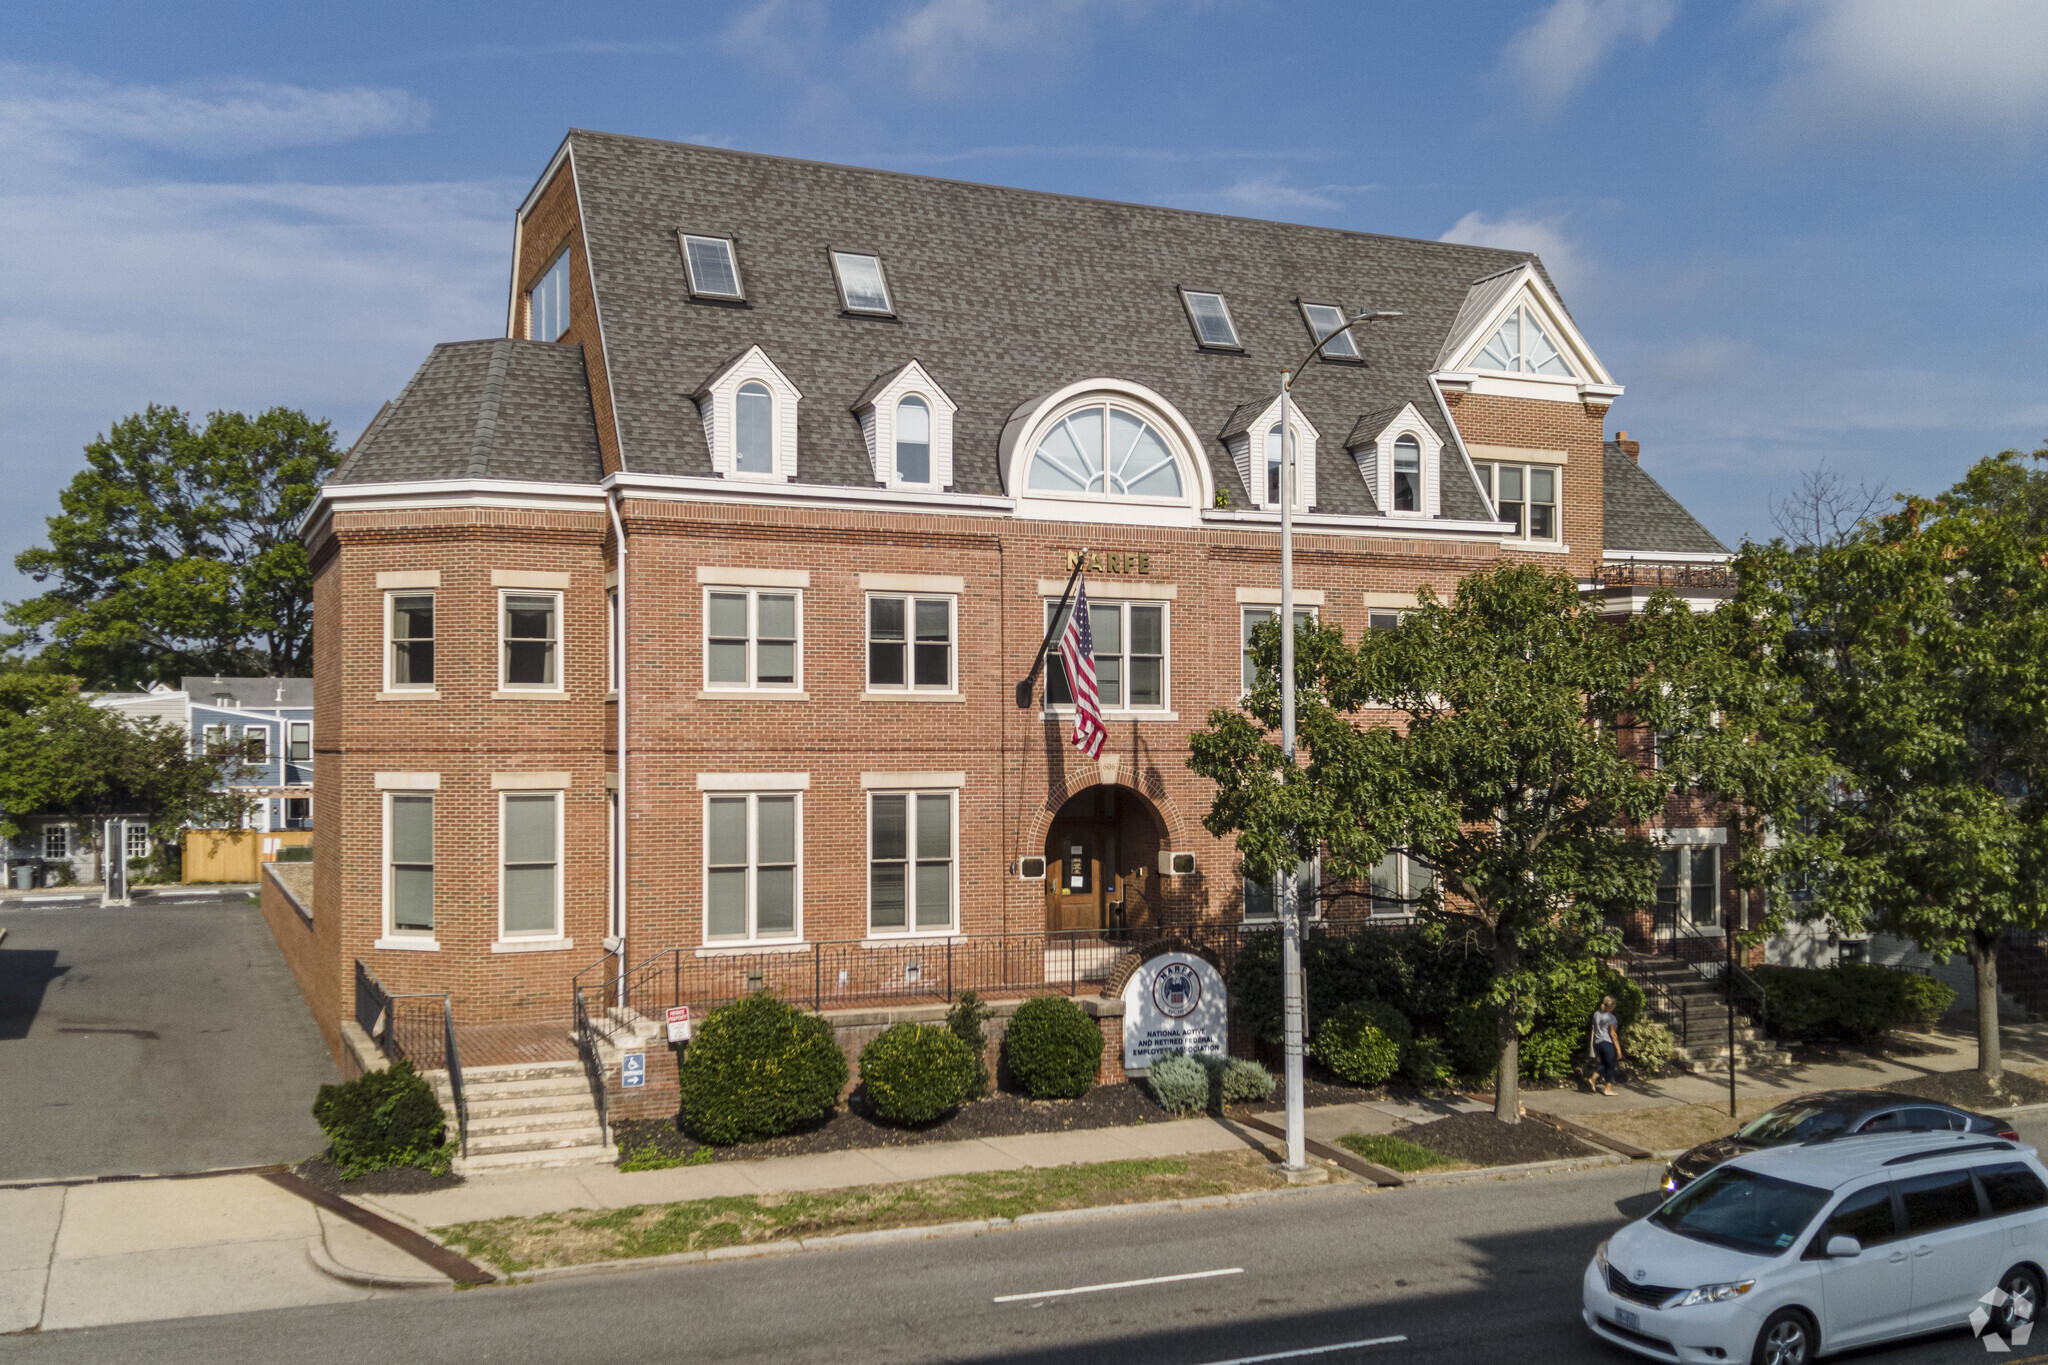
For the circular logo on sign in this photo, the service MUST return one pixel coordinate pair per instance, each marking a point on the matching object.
(1176, 990)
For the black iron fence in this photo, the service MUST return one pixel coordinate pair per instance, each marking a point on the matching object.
(418, 1027)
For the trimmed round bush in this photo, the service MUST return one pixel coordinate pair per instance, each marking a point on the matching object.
(1926, 1000)
(1238, 1080)
(383, 1119)
(1426, 1065)
(758, 1068)
(965, 1019)
(1052, 1048)
(1180, 1084)
(915, 1073)
(1361, 1042)
(1647, 1046)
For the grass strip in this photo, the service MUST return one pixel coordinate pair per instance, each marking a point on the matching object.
(1395, 1153)
(580, 1236)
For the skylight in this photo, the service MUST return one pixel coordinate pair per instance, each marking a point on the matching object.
(1211, 317)
(1325, 318)
(713, 272)
(1521, 346)
(861, 283)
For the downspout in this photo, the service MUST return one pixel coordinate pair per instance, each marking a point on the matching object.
(619, 801)
(1458, 437)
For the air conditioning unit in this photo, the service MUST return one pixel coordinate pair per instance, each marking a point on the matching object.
(1174, 864)
(1031, 869)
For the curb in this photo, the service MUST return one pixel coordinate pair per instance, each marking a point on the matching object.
(324, 1262)
(1570, 1163)
(2018, 1111)
(848, 1241)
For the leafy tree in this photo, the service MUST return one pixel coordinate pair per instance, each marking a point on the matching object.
(1509, 768)
(175, 551)
(61, 755)
(1918, 651)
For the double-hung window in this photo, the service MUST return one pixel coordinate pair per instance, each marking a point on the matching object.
(1131, 650)
(256, 743)
(912, 839)
(1407, 475)
(412, 641)
(910, 643)
(751, 639)
(1526, 495)
(530, 841)
(1399, 882)
(547, 304)
(1261, 896)
(1383, 618)
(1253, 618)
(301, 742)
(1689, 885)
(409, 861)
(752, 865)
(212, 738)
(57, 841)
(531, 624)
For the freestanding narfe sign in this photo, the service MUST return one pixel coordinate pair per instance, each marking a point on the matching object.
(1173, 1004)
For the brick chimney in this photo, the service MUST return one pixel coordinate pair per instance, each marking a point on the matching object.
(1632, 449)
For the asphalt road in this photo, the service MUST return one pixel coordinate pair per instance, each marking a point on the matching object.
(1475, 1273)
(163, 1038)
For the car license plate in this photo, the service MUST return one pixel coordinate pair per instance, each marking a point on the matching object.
(1624, 1318)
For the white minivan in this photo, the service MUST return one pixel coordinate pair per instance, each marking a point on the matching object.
(1782, 1255)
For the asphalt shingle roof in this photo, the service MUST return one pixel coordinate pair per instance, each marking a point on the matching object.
(251, 694)
(1642, 517)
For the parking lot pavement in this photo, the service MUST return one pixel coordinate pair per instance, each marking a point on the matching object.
(165, 1037)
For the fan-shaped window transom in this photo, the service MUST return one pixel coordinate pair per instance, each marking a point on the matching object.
(1104, 450)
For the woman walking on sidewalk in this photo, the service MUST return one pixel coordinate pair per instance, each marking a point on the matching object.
(1604, 1042)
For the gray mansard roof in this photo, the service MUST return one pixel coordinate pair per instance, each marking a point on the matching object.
(1642, 518)
(1003, 295)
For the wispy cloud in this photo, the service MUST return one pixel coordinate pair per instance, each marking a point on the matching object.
(1269, 196)
(1860, 68)
(945, 46)
(1544, 235)
(50, 115)
(1558, 53)
(581, 47)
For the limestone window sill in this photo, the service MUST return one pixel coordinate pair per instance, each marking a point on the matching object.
(932, 937)
(742, 949)
(744, 694)
(537, 694)
(408, 694)
(912, 696)
(408, 945)
(1066, 714)
(533, 945)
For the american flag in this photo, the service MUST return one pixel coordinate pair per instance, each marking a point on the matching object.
(1077, 652)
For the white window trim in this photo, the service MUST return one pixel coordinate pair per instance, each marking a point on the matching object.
(212, 733)
(912, 929)
(505, 684)
(1031, 419)
(752, 688)
(611, 639)
(560, 262)
(1313, 610)
(721, 421)
(561, 929)
(1248, 452)
(1692, 843)
(877, 416)
(909, 687)
(417, 940)
(391, 684)
(1164, 711)
(1376, 464)
(1244, 915)
(732, 251)
(257, 732)
(752, 793)
(291, 726)
(1489, 483)
(1404, 874)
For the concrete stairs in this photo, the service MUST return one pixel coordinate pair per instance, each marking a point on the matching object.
(1694, 1008)
(524, 1116)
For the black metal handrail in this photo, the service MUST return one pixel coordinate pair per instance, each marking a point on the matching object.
(403, 1025)
(593, 1068)
(1671, 1003)
(455, 1074)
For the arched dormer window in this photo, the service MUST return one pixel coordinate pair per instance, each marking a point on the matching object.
(1103, 449)
(1407, 475)
(1273, 463)
(1401, 461)
(754, 430)
(913, 441)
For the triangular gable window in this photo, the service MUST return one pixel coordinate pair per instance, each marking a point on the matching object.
(1522, 346)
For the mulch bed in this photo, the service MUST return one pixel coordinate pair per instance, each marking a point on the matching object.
(1890, 1045)
(1968, 1090)
(1484, 1140)
(400, 1180)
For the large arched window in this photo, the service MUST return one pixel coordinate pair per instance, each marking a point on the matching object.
(754, 429)
(913, 441)
(1108, 451)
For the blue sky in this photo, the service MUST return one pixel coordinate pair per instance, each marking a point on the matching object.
(1797, 230)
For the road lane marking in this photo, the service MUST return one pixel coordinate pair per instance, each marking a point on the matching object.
(1310, 1351)
(1120, 1284)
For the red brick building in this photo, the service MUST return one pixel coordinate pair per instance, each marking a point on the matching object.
(687, 616)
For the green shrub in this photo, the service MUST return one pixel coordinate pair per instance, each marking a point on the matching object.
(1473, 1041)
(383, 1119)
(1180, 1084)
(965, 1019)
(1426, 1065)
(757, 1068)
(1361, 1042)
(1425, 971)
(1647, 1046)
(1926, 999)
(1238, 1080)
(915, 1073)
(1851, 1001)
(1556, 1045)
(1052, 1048)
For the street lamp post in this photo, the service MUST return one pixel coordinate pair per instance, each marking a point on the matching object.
(1292, 1005)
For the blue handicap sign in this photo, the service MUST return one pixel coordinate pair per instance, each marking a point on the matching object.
(633, 1070)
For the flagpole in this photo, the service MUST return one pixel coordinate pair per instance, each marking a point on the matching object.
(1290, 916)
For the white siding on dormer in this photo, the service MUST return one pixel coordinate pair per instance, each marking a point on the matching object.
(721, 427)
(1250, 455)
(1376, 464)
(878, 426)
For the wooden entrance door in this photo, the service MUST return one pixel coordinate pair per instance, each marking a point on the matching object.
(1082, 887)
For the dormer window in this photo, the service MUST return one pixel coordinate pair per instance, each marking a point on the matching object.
(907, 421)
(714, 273)
(754, 430)
(1211, 318)
(1252, 436)
(547, 304)
(1522, 346)
(1407, 475)
(1401, 461)
(1274, 470)
(1327, 320)
(913, 440)
(861, 286)
(749, 408)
